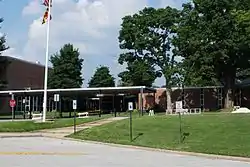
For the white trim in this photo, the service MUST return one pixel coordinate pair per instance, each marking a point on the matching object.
(78, 89)
(191, 87)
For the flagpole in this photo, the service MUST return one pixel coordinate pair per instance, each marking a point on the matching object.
(46, 66)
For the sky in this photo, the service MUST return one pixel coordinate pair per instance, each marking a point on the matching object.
(92, 26)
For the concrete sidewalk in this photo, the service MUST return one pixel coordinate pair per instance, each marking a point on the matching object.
(62, 132)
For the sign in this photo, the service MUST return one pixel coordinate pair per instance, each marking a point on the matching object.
(74, 104)
(12, 103)
(130, 106)
(178, 105)
(56, 97)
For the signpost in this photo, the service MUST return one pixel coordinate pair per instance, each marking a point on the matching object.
(24, 104)
(178, 106)
(74, 108)
(130, 108)
(56, 100)
(12, 105)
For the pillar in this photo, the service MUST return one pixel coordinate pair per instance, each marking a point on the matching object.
(141, 98)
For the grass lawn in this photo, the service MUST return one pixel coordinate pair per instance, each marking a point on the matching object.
(218, 133)
(26, 126)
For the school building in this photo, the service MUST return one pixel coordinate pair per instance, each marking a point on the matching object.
(25, 80)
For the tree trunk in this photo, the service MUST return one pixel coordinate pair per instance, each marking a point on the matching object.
(229, 93)
(168, 100)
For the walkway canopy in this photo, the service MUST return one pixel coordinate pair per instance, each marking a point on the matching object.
(84, 91)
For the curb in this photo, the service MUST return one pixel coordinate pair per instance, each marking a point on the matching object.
(202, 155)
(20, 135)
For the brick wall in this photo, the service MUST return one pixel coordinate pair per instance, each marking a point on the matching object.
(192, 98)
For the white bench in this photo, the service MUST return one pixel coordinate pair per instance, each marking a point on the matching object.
(83, 114)
(36, 116)
(151, 113)
(236, 108)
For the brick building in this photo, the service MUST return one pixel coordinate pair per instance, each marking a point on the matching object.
(19, 75)
(206, 98)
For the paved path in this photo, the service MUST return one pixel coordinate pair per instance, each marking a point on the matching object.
(44, 152)
(61, 132)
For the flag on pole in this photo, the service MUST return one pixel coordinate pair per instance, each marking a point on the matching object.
(46, 3)
(46, 15)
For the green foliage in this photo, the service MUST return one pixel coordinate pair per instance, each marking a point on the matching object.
(102, 78)
(212, 38)
(3, 46)
(3, 61)
(146, 36)
(139, 73)
(67, 67)
(199, 78)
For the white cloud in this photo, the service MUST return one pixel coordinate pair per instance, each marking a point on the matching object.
(32, 8)
(91, 25)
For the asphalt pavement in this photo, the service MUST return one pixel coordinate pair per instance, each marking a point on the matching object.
(44, 152)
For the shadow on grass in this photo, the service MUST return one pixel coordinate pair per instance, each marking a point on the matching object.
(184, 136)
(138, 135)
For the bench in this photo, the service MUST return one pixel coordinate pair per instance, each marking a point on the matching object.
(151, 113)
(236, 108)
(36, 116)
(94, 112)
(83, 114)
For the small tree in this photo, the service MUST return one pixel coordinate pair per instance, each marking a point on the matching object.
(67, 67)
(3, 46)
(3, 61)
(102, 78)
(66, 71)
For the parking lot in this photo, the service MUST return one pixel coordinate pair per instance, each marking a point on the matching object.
(41, 152)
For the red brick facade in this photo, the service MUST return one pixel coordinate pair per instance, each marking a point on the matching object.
(19, 74)
(205, 98)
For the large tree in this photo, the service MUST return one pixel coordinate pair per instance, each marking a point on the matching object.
(212, 37)
(147, 35)
(67, 68)
(138, 73)
(102, 78)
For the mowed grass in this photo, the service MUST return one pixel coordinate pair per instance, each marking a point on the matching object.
(27, 126)
(221, 133)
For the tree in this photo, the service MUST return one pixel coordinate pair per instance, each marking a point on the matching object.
(199, 78)
(3, 46)
(102, 78)
(211, 36)
(67, 67)
(147, 35)
(138, 73)
(3, 61)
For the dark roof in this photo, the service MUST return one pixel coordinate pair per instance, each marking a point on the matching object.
(23, 61)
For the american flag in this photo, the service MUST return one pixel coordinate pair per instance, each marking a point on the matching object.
(46, 3)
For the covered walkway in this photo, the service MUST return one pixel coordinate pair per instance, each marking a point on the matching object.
(112, 99)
